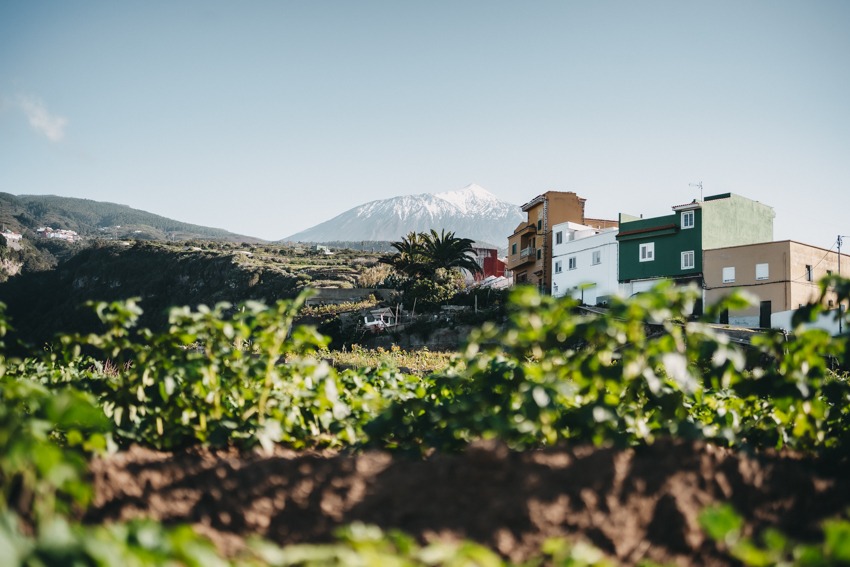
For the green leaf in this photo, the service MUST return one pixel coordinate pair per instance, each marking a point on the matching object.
(837, 539)
(721, 523)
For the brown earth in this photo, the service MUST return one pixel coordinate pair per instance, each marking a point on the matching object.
(633, 504)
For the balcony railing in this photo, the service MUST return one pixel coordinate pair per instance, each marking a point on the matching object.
(525, 256)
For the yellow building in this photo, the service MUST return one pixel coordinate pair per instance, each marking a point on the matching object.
(530, 246)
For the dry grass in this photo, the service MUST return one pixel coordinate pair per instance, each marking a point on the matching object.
(420, 362)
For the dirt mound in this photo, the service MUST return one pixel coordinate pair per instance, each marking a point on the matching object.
(634, 504)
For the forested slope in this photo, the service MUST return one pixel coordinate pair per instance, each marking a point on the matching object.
(44, 303)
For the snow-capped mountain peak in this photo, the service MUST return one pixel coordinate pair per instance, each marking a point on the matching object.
(471, 199)
(471, 212)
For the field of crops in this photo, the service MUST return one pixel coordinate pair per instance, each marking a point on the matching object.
(534, 445)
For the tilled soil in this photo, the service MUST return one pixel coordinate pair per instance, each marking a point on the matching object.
(633, 504)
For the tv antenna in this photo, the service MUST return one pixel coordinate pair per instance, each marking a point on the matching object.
(700, 188)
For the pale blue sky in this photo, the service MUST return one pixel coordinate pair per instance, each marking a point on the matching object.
(265, 118)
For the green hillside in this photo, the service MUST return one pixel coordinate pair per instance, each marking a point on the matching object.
(89, 218)
(93, 221)
(46, 302)
(43, 303)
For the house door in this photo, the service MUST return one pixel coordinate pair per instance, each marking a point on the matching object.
(697, 309)
(764, 315)
(724, 317)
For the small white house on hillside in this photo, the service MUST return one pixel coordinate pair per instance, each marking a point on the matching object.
(13, 239)
(584, 262)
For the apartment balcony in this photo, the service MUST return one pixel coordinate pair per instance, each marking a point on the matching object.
(525, 230)
(525, 256)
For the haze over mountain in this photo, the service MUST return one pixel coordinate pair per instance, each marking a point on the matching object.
(471, 212)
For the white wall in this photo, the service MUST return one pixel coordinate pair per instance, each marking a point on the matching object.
(640, 286)
(826, 321)
(601, 278)
(751, 321)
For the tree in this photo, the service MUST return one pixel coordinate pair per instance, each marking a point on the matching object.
(408, 259)
(422, 254)
(445, 250)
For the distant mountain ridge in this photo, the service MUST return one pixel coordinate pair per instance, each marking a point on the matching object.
(98, 218)
(471, 212)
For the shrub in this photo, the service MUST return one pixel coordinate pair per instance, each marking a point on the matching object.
(554, 373)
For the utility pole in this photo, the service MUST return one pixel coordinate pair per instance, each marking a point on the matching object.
(840, 306)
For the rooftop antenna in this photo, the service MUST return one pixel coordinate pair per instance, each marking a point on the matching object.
(700, 188)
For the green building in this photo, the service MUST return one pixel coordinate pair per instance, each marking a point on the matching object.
(671, 246)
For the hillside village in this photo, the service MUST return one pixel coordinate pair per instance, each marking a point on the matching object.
(718, 243)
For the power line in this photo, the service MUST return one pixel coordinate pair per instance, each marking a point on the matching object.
(805, 277)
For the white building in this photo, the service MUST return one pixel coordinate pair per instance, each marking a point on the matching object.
(59, 233)
(12, 236)
(13, 239)
(584, 262)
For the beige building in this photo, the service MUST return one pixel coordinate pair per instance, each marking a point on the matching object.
(530, 246)
(782, 276)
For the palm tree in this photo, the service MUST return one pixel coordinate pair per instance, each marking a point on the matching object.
(408, 258)
(445, 250)
(422, 254)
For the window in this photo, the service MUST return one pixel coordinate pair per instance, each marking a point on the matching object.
(571, 262)
(559, 237)
(539, 253)
(809, 276)
(513, 248)
(729, 275)
(539, 224)
(647, 252)
(688, 260)
(597, 257)
(558, 267)
(687, 219)
(762, 272)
